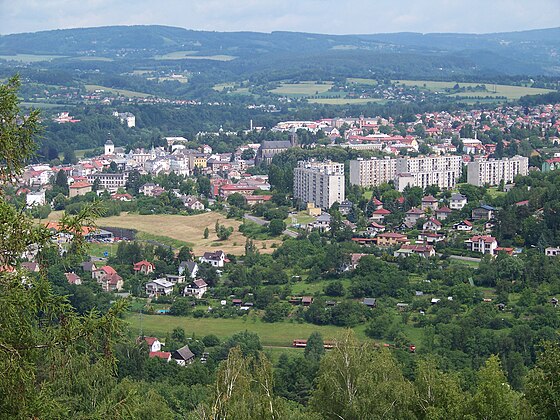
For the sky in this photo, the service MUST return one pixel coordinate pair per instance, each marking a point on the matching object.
(316, 16)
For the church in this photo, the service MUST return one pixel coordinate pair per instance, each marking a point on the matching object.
(269, 149)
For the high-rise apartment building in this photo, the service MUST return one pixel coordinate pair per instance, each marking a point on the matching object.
(493, 171)
(371, 172)
(320, 183)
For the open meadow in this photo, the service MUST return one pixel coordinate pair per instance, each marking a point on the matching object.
(298, 90)
(120, 92)
(278, 334)
(30, 58)
(344, 101)
(191, 55)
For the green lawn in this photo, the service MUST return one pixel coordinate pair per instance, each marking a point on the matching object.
(302, 218)
(30, 58)
(280, 334)
(303, 288)
(99, 249)
(361, 81)
(344, 101)
(493, 192)
(44, 105)
(123, 92)
(191, 55)
(175, 243)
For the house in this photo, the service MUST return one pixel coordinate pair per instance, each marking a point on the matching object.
(89, 267)
(192, 203)
(465, 225)
(457, 201)
(153, 343)
(375, 228)
(355, 259)
(483, 212)
(121, 197)
(370, 302)
(188, 268)
(32, 267)
(174, 278)
(79, 188)
(196, 288)
(391, 239)
(321, 223)
(144, 267)
(432, 224)
(506, 250)
(443, 212)
(306, 300)
(379, 215)
(159, 287)
(377, 203)
(412, 216)
(183, 356)
(73, 278)
(111, 283)
(429, 202)
(345, 207)
(147, 189)
(425, 251)
(216, 258)
(484, 244)
(164, 355)
(102, 272)
(430, 238)
(552, 251)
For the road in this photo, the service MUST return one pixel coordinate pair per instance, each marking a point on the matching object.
(263, 222)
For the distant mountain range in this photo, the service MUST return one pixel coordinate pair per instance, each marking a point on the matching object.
(534, 52)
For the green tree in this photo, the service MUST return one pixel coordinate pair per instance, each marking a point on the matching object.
(206, 233)
(276, 227)
(315, 348)
(542, 388)
(61, 182)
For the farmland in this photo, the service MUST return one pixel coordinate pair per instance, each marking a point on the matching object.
(120, 92)
(30, 58)
(344, 101)
(302, 89)
(191, 55)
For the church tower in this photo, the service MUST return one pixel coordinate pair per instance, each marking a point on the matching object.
(109, 147)
(293, 138)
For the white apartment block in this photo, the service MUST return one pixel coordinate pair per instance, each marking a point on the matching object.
(320, 183)
(492, 171)
(424, 171)
(372, 172)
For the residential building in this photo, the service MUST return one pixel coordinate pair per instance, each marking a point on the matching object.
(484, 244)
(196, 288)
(493, 172)
(484, 212)
(424, 251)
(432, 224)
(372, 172)
(153, 343)
(216, 258)
(159, 287)
(79, 188)
(345, 207)
(443, 212)
(183, 356)
(126, 118)
(457, 201)
(465, 226)
(36, 198)
(391, 239)
(188, 268)
(320, 183)
(552, 251)
(379, 215)
(429, 202)
(108, 181)
(424, 171)
(73, 278)
(412, 216)
(322, 223)
(144, 267)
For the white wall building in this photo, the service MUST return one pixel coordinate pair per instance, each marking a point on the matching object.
(35, 198)
(424, 171)
(320, 183)
(372, 172)
(492, 171)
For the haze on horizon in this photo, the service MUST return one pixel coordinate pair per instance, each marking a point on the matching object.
(314, 16)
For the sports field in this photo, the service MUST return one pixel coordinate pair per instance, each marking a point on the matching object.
(280, 334)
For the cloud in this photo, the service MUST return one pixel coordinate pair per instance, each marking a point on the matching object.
(322, 16)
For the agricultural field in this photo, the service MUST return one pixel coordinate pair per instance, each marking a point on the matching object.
(191, 55)
(344, 101)
(510, 92)
(91, 58)
(302, 89)
(361, 81)
(278, 334)
(186, 230)
(120, 92)
(30, 58)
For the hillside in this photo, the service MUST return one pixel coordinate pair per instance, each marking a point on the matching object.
(526, 52)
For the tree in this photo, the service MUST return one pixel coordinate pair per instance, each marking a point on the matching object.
(206, 233)
(248, 154)
(61, 182)
(542, 388)
(334, 288)
(223, 233)
(315, 348)
(237, 200)
(276, 227)
(185, 254)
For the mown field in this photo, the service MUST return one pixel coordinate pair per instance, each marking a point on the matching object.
(121, 92)
(297, 90)
(278, 334)
(191, 55)
(511, 92)
(30, 58)
(344, 101)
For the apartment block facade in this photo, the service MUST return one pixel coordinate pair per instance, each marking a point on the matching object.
(320, 183)
(372, 172)
(423, 171)
(493, 171)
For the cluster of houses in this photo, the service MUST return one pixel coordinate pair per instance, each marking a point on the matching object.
(182, 356)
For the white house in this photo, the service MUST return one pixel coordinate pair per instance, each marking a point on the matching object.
(465, 225)
(457, 201)
(153, 343)
(183, 356)
(432, 224)
(188, 268)
(552, 251)
(35, 198)
(197, 288)
(159, 287)
(216, 259)
(484, 244)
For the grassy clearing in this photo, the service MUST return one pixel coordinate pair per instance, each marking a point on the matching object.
(174, 243)
(493, 192)
(173, 79)
(43, 105)
(80, 153)
(278, 334)
(344, 101)
(302, 288)
(187, 229)
(302, 89)
(361, 81)
(30, 58)
(99, 249)
(106, 59)
(301, 217)
(511, 92)
(119, 92)
(191, 55)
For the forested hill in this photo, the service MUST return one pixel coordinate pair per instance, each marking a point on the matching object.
(526, 52)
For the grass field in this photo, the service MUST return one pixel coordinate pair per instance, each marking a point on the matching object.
(106, 59)
(511, 92)
(185, 229)
(122, 92)
(302, 89)
(361, 81)
(30, 58)
(344, 101)
(191, 55)
(43, 105)
(301, 217)
(278, 334)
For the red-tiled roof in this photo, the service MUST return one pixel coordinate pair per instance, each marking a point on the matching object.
(80, 184)
(161, 354)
